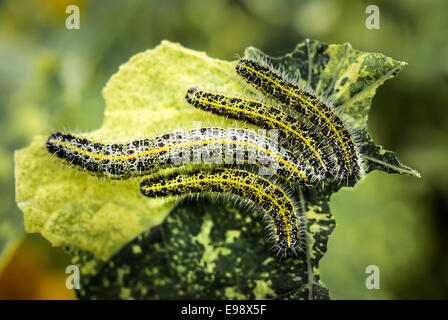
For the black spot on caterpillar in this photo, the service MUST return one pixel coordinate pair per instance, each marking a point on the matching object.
(198, 146)
(268, 197)
(297, 135)
(318, 112)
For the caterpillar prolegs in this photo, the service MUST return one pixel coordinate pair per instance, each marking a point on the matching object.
(267, 197)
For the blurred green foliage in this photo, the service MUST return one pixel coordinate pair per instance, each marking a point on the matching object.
(51, 77)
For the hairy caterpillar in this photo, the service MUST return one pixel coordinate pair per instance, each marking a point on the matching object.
(198, 146)
(268, 197)
(319, 113)
(297, 135)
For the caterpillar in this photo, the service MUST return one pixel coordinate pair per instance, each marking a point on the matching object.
(198, 146)
(268, 197)
(308, 156)
(319, 113)
(297, 135)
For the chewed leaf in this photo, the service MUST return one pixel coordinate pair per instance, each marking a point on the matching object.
(131, 247)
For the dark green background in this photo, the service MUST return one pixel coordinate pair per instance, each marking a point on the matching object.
(51, 78)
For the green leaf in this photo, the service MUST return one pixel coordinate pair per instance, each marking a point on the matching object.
(132, 247)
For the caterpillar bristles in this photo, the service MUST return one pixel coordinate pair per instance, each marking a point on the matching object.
(198, 146)
(315, 110)
(268, 197)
